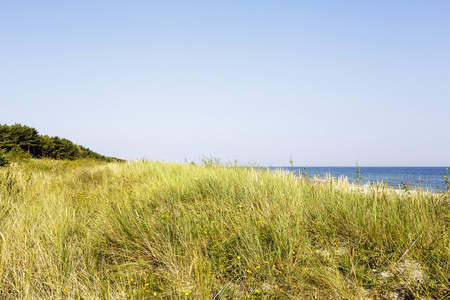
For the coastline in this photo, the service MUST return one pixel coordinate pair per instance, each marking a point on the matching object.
(410, 178)
(342, 183)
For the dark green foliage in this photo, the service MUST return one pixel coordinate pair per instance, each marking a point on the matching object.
(17, 137)
(21, 138)
(3, 160)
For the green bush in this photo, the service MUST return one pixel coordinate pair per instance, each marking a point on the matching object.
(3, 159)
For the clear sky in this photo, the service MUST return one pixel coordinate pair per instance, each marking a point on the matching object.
(328, 82)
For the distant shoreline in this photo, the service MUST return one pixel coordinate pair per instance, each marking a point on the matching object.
(406, 178)
(366, 188)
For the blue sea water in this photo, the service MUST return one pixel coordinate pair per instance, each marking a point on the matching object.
(431, 178)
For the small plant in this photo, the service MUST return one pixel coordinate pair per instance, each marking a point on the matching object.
(447, 182)
(305, 171)
(211, 161)
(316, 174)
(358, 173)
(404, 186)
(291, 161)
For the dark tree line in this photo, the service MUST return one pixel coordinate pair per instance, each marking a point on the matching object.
(19, 137)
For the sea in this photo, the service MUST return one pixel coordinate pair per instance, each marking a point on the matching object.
(426, 178)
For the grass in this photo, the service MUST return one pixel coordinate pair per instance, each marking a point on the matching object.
(155, 230)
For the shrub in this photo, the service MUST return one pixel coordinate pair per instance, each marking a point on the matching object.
(3, 159)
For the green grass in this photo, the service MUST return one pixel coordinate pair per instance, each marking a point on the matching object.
(153, 230)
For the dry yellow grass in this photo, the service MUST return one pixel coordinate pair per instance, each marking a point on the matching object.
(144, 230)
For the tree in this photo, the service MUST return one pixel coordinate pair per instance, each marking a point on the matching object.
(21, 138)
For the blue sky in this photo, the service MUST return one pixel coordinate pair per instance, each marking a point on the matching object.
(328, 82)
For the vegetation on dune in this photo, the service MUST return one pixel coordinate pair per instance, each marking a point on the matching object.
(85, 229)
(18, 139)
(3, 159)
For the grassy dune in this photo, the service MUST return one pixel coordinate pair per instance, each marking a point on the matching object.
(154, 230)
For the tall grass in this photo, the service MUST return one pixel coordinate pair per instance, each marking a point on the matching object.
(152, 230)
